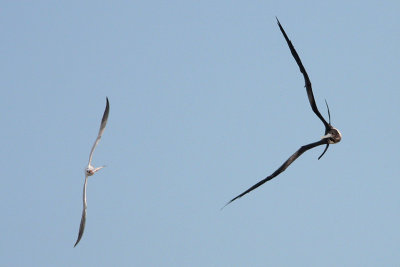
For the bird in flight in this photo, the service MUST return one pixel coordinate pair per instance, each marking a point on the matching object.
(332, 135)
(90, 170)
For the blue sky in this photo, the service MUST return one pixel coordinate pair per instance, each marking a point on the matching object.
(205, 100)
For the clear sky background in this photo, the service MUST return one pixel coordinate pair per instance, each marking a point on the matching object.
(205, 100)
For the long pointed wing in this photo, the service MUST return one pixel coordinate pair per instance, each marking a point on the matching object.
(281, 168)
(306, 78)
(102, 126)
(83, 219)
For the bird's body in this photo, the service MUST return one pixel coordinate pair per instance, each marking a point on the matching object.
(90, 170)
(332, 135)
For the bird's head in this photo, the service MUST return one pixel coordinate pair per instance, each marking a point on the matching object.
(89, 171)
(332, 135)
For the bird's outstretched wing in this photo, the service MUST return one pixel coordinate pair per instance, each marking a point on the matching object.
(306, 78)
(83, 219)
(102, 126)
(282, 167)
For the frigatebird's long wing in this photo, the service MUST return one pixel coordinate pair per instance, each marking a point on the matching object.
(102, 126)
(306, 78)
(282, 167)
(83, 219)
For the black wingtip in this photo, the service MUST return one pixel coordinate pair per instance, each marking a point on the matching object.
(233, 199)
(286, 38)
(229, 202)
(105, 114)
(224, 206)
(279, 23)
(81, 227)
(79, 239)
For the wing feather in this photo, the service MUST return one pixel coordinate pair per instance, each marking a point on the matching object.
(283, 167)
(308, 86)
(102, 127)
(83, 219)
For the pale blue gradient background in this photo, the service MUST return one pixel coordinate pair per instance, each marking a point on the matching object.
(205, 100)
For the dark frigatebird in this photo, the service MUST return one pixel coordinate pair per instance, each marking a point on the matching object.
(90, 170)
(332, 135)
